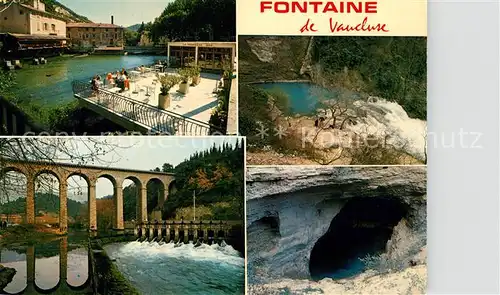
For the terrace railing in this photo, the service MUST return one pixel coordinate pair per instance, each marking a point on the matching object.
(156, 120)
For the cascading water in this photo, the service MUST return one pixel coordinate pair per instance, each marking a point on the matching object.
(389, 118)
(164, 268)
(381, 118)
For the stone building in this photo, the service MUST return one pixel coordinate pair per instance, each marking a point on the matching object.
(27, 30)
(96, 35)
(30, 19)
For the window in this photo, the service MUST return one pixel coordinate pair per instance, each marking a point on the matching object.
(93, 30)
(69, 35)
(53, 28)
(38, 26)
(45, 26)
(21, 12)
(5, 18)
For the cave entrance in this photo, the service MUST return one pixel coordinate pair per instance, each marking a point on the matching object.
(361, 228)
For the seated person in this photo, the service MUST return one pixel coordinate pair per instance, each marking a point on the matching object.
(95, 85)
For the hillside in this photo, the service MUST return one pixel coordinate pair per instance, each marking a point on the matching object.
(63, 12)
(134, 28)
(48, 203)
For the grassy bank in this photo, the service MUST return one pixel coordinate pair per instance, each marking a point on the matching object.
(69, 118)
(28, 234)
(110, 281)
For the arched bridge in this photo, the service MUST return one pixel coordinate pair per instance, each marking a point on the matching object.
(62, 171)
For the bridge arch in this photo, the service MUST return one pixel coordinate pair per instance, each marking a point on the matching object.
(48, 171)
(155, 197)
(49, 193)
(109, 177)
(140, 189)
(172, 187)
(82, 175)
(13, 168)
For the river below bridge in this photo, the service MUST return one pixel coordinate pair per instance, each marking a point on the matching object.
(46, 257)
(50, 84)
(163, 269)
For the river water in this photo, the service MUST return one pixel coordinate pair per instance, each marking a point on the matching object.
(156, 269)
(47, 264)
(50, 84)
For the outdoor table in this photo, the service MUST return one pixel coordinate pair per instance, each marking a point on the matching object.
(159, 67)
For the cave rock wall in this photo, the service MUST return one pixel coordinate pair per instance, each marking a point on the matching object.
(290, 208)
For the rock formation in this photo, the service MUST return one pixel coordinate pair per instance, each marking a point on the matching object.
(6, 276)
(290, 208)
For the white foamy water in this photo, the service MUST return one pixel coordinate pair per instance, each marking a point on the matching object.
(389, 118)
(225, 254)
(380, 118)
(155, 268)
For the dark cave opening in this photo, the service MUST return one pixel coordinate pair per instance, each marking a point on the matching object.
(361, 228)
(269, 224)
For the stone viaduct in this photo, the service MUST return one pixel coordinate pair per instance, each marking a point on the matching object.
(117, 176)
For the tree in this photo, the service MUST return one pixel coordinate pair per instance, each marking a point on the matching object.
(217, 176)
(131, 37)
(208, 20)
(168, 168)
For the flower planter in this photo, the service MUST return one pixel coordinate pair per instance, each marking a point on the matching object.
(163, 101)
(184, 87)
(196, 80)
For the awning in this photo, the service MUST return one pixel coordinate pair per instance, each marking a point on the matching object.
(26, 37)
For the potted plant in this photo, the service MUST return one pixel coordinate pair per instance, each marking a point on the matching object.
(196, 75)
(227, 74)
(166, 83)
(185, 74)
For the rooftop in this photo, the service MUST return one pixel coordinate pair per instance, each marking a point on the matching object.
(92, 25)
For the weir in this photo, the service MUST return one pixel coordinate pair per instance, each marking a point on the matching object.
(179, 231)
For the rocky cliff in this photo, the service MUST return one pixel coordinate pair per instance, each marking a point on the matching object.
(61, 11)
(269, 58)
(298, 216)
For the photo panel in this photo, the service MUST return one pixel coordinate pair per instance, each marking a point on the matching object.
(336, 230)
(146, 68)
(333, 83)
(146, 215)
